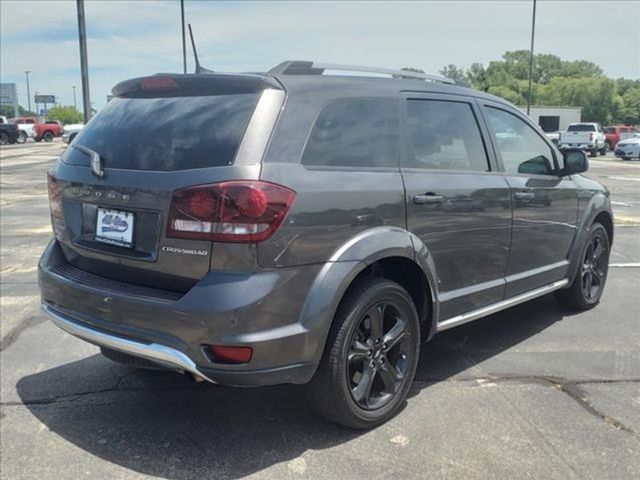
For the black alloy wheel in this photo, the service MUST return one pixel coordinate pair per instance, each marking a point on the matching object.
(378, 355)
(370, 356)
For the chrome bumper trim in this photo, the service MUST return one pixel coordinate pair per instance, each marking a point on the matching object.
(161, 354)
(504, 304)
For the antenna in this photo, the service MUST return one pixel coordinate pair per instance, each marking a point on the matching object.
(199, 68)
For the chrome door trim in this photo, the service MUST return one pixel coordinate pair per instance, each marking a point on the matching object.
(496, 307)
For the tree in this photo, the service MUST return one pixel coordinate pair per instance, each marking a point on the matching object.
(630, 109)
(65, 115)
(7, 111)
(454, 73)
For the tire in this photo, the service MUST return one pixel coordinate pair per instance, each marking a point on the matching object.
(603, 150)
(593, 153)
(38, 139)
(47, 137)
(22, 137)
(608, 146)
(71, 137)
(338, 391)
(583, 294)
(4, 138)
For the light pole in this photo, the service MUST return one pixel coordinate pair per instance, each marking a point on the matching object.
(82, 37)
(533, 32)
(184, 40)
(74, 97)
(27, 72)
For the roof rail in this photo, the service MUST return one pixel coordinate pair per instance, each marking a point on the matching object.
(303, 67)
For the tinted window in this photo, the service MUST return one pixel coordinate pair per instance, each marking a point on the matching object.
(609, 130)
(521, 148)
(175, 133)
(443, 135)
(355, 132)
(581, 128)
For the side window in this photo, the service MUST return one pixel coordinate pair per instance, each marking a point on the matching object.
(443, 135)
(355, 132)
(521, 148)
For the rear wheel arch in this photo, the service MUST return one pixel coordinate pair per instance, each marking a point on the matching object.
(605, 219)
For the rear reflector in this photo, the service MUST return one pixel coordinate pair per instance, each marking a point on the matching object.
(225, 354)
(55, 203)
(244, 211)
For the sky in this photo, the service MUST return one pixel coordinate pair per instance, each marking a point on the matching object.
(129, 39)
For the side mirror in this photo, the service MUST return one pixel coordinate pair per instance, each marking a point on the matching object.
(575, 161)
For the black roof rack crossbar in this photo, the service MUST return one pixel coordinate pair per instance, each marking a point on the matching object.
(303, 67)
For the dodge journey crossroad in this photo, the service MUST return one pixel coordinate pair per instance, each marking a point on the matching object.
(307, 226)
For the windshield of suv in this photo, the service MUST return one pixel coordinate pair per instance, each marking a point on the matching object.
(174, 133)
(581, 128)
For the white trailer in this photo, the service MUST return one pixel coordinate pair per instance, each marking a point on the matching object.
(554, 119)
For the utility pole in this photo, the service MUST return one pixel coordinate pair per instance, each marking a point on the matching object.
(533, 32)
(27, 72)
(184, 40)
(82, 37)
(74, 97)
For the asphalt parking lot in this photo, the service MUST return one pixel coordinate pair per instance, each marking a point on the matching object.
(532, 392)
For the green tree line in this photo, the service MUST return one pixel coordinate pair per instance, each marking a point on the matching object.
(64, 114)
(556, 82)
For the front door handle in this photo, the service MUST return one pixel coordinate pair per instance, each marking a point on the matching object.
(524, 195)
(427, 198)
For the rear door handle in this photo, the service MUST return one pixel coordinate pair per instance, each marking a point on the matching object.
(427, 198)
(524, 195)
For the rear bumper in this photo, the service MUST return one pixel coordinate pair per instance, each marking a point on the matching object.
(580, 146)
(261, 311)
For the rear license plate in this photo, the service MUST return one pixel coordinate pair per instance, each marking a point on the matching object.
(114, 227)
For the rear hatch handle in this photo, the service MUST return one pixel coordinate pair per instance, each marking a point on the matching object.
(96, 163)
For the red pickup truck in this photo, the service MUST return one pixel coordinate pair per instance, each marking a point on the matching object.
(615, 133)
(43, 131)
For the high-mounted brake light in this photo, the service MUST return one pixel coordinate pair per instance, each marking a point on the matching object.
(154, 84)
(244, 211)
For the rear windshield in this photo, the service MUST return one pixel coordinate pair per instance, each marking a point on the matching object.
(175, 133)
(581, 128)
(609, 130)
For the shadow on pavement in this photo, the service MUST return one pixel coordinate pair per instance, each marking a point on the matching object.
(158, 423)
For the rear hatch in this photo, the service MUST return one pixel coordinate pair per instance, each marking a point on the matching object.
(112, 189)
(579, 134)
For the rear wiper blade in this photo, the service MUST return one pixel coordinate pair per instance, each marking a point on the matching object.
(96, 162)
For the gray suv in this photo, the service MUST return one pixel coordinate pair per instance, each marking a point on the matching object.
(311, 228)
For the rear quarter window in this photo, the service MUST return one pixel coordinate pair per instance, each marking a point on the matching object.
(174, 133)
(355, 132)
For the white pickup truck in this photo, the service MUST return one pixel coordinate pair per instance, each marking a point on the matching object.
(585, 136)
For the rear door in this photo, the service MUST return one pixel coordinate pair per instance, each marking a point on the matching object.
(457, 203)
(116, 179)
(545, 204)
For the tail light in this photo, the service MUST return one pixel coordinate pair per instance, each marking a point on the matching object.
(55, 202)
(591, 135)
(243, 211)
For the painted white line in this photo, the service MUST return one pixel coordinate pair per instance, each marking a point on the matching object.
(621, 204)
(630, 179)
(624, 265)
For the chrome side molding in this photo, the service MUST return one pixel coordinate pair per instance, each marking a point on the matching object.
(160, 354)
(496, 307)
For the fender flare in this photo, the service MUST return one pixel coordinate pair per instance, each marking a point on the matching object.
(598, 204)
(348, 261)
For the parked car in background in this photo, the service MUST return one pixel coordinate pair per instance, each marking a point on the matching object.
(296, 227)
(613, 134)
(585, 136)
(8, 131)
(46, 131)
(26, 126)
(69, 132)
(629, 147)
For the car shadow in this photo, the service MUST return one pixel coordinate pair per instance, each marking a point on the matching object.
(159, 423)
